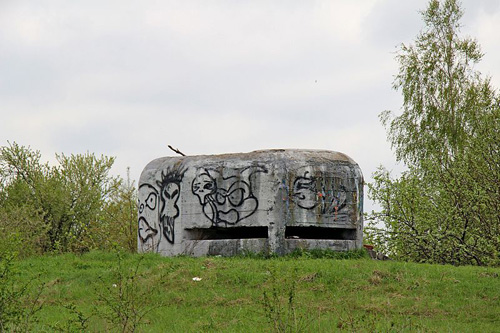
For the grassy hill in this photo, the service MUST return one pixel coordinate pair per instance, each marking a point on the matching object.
(104, 291)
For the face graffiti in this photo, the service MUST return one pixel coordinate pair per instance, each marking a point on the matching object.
(148, 214)
(226, 200)
(170, 190)
(204, 185)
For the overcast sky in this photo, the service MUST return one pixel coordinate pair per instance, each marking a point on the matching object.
(127, 78)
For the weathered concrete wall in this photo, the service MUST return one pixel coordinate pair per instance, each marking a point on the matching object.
(264, 201)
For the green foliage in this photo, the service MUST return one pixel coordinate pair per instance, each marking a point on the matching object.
(442, 93)
(17, 306)
(118, 223)
(445, 207)
(74, 206)
(22, 231)
(86, 186)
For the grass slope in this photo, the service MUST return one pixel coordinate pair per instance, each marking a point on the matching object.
(104, 291)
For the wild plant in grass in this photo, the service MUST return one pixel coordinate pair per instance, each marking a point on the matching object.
(17, 306)
(122, 300)
(280, 304)
(77, 322)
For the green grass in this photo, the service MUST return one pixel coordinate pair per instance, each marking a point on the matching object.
(253, 294)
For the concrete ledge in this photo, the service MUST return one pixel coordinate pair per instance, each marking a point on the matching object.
(225, 247)
(322, 244)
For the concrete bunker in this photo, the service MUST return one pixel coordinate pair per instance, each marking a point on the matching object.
(272, 201)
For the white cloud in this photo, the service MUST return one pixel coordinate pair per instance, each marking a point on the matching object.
(343, 19)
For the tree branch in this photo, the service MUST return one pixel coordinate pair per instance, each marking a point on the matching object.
(176, 150)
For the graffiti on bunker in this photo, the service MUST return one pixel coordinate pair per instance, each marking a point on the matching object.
(170, 190)
(148, 216)
(327, 194)
(271, 201)
(226, 199)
